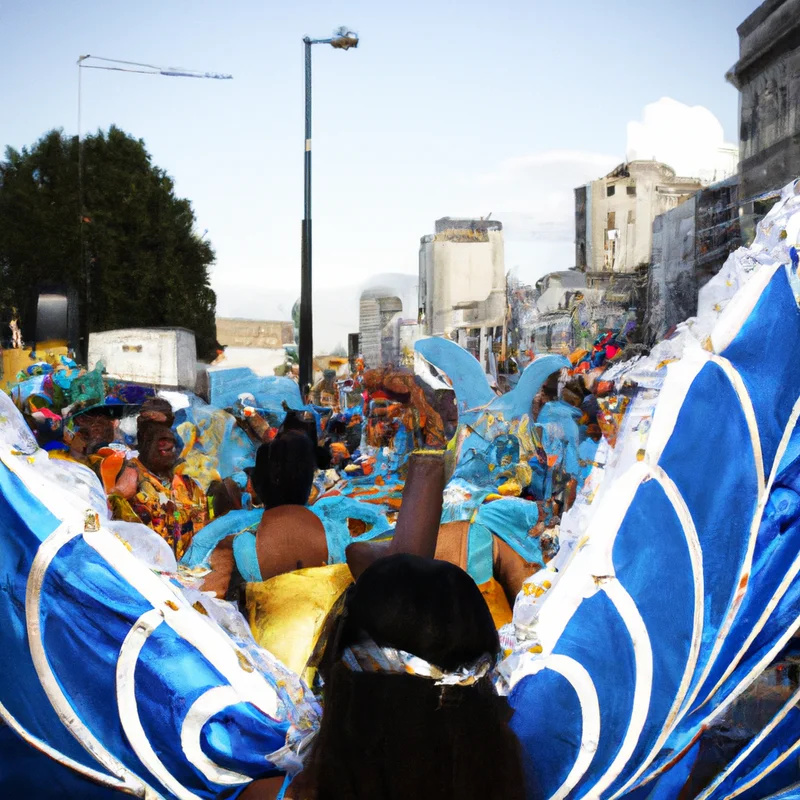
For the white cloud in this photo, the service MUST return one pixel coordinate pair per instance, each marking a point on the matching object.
(688, 138)
(533, 195)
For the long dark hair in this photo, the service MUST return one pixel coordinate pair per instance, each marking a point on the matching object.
(398, 736)
(284, 470)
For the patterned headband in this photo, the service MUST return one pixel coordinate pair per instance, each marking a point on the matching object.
(367, 656)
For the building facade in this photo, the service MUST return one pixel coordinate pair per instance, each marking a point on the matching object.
(690, 245)
(462, 282)
(768, 76)
(387, 302)
(462, 285)
(718, 229)
(614, 217)
(270, 334)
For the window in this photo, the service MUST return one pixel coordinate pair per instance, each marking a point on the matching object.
(612, 220)
(632, 191)
(610, 191)
(631, 216)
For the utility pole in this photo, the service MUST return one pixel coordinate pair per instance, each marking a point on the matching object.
(343, 39)
(114, 65)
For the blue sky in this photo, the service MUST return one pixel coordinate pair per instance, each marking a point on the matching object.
(445, 109)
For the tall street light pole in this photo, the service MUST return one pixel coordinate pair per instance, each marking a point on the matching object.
(343, 39)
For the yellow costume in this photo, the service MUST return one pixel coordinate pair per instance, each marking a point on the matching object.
(495, 598)
(287, 612)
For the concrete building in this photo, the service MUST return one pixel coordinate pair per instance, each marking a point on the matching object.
(462, 284)
(672, 283)
(718, 228)
(690, 245)
(614, 217)
(462, 275)
(268, 334)
(386, 303)
(768, 76)
(556, 289)
(379, 315)
(570, 315)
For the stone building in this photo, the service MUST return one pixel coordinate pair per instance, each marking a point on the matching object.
(462, 284)
(690, 245)
(768, 76)
(270, 334)
(614, 217)
(379, 315)
(387, 304)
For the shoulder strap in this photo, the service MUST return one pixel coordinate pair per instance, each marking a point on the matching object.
(244, 553)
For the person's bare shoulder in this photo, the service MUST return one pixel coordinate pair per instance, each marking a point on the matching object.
(264, 789)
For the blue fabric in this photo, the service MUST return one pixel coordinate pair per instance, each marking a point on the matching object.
(479, 553)
(110, 607)
(666, 607)
(244, 551)
(517, 403)
(286, 784)
(225, 386)
(512, 518)
(26, 772)
(235, 453)
(669, 786)
(561, 434)
(538, 701)
(587, 451)
(205, 540)
(465, 373)
(541, 725)
(777, 544)
(334, 512)
(86, 611)
(763, 757)
(240, 791)
(764, 347)
(716, 477)
(487, 422)
(24, 524)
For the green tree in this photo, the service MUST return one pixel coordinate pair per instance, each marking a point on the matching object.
(140, 262)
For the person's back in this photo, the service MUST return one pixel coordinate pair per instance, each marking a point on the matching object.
(289, 536)
(410, 708)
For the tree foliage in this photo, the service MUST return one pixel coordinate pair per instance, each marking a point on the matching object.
(140, 262)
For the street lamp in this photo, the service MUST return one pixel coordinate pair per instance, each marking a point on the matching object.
(342, 39)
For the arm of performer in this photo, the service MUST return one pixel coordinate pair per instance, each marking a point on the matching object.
(420, 513)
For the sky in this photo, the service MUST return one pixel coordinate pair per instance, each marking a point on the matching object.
(445, 109)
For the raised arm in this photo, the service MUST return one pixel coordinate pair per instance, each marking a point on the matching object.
(418, 522)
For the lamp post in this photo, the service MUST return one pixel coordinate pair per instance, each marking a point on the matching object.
(343, 39)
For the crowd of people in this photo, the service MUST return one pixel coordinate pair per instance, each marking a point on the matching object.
(404, 642)
(393, 627)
